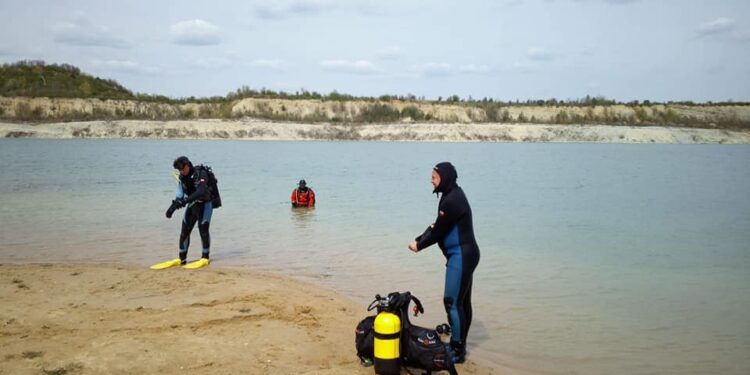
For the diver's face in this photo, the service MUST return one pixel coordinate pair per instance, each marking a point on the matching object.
(435, 179)
(185, 170)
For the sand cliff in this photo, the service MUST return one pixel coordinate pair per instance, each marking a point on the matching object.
(41, 109)
(395, 120)
(249, 129)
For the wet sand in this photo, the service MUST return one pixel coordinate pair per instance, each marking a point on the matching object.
(88, 319)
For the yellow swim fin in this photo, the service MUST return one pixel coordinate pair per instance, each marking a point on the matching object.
(167, 264)
(197, 264)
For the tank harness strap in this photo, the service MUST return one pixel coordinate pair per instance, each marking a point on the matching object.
(418, 309)
(387, 336)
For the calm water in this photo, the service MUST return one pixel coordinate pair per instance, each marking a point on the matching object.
(618, 259)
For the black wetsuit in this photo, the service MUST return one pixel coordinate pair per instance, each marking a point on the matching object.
(195, 189)
(453, 231)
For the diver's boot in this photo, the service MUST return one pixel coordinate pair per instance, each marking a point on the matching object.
(459, 351)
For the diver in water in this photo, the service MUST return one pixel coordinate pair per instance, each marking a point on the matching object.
(196, 190)
(453, 231)
(303, 196)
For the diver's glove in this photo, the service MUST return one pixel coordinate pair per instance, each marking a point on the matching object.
(176, 204)
(180, 202)
(170, 211)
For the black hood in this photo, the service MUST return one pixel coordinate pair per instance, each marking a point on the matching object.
(448, 176)
(182, 161)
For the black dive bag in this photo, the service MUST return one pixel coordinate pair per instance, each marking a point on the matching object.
(364, 340)
(420, 347)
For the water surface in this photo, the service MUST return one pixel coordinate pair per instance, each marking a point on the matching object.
(619, 259)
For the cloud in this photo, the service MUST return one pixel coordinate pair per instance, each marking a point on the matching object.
(347, 66)
(266, 63)
(211, 63)
(743, 36)
(717, 26)
(539, 54)
(125, 66)
(389, 53)
(277, 10)
(433, 69)
(474, 69)
(195, 33)
(522, 68)
(82, 33)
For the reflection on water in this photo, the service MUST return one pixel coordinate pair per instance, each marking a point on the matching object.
(618, 259)
(303, 216)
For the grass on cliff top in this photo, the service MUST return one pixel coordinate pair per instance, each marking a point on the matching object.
(32, 79)
(35, 78)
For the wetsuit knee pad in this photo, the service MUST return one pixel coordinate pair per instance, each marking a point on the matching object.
(448, 303)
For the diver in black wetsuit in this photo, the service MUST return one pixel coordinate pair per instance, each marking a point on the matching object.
(194, 192)
(453, 231)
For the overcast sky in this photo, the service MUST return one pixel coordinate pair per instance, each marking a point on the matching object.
(505, 49)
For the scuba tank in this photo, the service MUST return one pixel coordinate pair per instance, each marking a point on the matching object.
(389, 340)
(387, 353)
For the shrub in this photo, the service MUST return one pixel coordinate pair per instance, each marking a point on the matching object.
(187, 112)
(506, 117)
(412, 112)
(492, 113)
(641, 116)
(379, 113)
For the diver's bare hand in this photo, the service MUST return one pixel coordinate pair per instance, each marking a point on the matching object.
(413, 246)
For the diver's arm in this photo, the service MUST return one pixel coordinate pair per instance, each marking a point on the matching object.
(177, 202)
(311, 198)
(180, 191)
(447, 218)
(201, 187)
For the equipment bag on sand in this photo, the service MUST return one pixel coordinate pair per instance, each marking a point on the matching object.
(364, 337)
(423, 349)
(419, 347)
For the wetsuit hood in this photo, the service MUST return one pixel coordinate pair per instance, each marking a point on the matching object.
(181, 161)
(448, 176)
(302, 186)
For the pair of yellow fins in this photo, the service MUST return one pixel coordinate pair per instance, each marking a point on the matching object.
(176, 262)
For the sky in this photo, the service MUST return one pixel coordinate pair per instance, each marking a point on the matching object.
(657, 50)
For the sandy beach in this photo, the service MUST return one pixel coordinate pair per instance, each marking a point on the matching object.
(263, 130)
(91, 319)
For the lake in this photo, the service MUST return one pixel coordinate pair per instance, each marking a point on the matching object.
(618, 259)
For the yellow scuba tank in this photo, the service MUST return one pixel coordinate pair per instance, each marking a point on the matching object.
(387, 345)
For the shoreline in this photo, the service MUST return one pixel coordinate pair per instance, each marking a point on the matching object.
(262, 130)
(104, 318)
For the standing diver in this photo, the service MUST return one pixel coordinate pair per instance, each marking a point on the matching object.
(453, 231)
(195, 191)
(303, 196)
